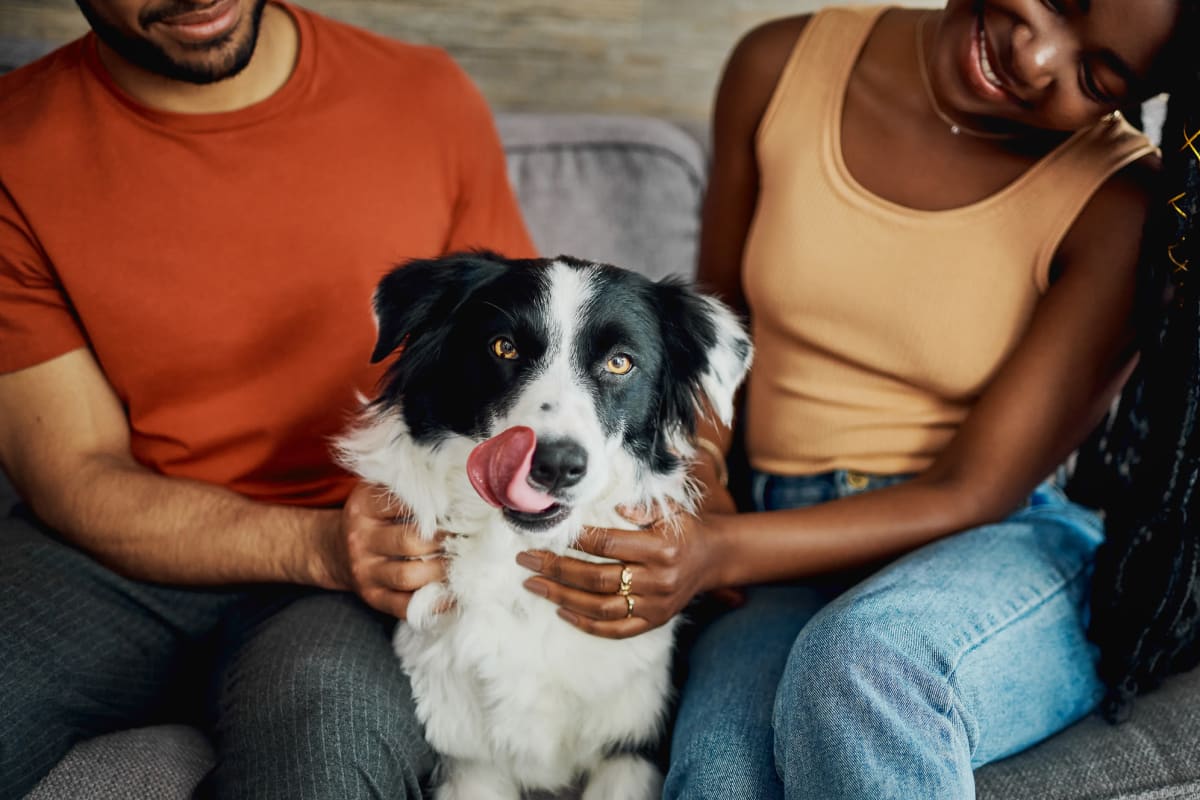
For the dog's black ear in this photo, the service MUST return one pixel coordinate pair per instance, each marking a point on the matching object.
(421, 292)
(709, 354)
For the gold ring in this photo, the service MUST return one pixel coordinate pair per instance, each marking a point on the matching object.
(629, 602)
(626, 582)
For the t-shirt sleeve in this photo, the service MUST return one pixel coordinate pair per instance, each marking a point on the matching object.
(37, 321)
(486, 213)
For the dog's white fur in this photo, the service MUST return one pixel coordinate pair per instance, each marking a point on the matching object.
(512, 696)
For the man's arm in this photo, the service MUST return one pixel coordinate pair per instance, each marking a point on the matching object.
(64, 441)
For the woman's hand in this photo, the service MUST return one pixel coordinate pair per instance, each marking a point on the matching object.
(666, 563)
(379, 554)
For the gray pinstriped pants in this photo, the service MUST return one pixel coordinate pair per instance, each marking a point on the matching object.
(299, 688)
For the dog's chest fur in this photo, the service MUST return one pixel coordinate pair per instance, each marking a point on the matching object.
(503, 677)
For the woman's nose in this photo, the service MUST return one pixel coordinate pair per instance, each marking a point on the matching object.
(1038, 56)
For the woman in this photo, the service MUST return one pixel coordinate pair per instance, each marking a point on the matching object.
(933, 222)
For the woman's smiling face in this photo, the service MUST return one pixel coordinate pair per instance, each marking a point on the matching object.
(1052, 64)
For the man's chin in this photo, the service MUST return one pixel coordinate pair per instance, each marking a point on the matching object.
(203, 71)
(198, 63)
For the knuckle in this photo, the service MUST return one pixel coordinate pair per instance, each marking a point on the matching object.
(411, 575)
(400, 579)
(406, 542)
(359, 573)
(352, 534)
(598, 581)
(381, 600)
(610, 609)
(354, 502)
(668, 579)
(604, 541)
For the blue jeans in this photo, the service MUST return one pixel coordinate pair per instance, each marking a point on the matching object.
(965, 651)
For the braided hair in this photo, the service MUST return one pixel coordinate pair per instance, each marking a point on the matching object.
(1143, 466)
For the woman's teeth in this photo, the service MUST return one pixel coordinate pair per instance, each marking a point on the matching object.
(984, 64)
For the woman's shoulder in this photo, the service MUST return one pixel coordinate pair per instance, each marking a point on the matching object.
(1105, 235)
(755, 66)
(1127, 190)
(763, 52)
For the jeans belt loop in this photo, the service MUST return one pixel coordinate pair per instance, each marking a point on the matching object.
(857, 480)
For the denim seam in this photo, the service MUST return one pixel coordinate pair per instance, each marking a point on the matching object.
(956, 699)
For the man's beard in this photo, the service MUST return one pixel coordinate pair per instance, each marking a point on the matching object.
(230, 57)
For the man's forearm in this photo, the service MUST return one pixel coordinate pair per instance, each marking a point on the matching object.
(173, 530)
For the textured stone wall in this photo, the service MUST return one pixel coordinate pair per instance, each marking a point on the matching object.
(659, 57)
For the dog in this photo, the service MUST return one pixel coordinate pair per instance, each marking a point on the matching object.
(529, 399)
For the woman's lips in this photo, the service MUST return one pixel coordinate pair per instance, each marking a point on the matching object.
(980, 70)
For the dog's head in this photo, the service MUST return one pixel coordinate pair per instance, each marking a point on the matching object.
(576, 383)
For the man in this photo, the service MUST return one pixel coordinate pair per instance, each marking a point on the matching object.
(198, 198)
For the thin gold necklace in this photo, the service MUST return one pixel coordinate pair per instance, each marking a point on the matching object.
(955, 127)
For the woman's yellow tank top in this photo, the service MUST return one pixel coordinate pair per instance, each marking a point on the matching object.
(877, 326)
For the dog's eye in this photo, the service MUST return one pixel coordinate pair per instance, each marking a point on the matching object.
(619, 364)
(504, 348)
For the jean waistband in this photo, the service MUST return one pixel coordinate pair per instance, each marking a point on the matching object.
(769, 491)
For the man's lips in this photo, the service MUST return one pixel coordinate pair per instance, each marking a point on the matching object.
(203, 24)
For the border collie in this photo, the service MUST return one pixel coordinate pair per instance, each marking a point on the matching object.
(531, 398)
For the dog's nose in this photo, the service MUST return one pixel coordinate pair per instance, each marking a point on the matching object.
(557, 464)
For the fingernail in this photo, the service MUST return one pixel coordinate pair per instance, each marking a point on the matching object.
(537, 587)
(568, 616)
(529, 561)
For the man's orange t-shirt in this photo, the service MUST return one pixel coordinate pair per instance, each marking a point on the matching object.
(220, 266)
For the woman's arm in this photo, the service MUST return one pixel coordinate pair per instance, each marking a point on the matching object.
(747, 85)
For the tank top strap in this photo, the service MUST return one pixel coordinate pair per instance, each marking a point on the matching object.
(1059, 186)
(818, 69)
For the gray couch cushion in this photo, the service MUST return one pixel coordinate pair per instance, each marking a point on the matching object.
(618, 189)
(161, 762)
(1155, 755)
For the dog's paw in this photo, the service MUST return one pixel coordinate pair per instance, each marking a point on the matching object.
(464, 780)
(430, 607)
(624, 777)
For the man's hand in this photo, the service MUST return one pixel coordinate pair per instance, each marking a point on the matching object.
(378, 553)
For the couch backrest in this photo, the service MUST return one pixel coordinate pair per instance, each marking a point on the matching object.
(620, 189)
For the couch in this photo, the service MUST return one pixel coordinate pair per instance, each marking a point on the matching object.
(627, 190)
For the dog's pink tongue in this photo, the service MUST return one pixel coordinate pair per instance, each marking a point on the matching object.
(498, 469)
